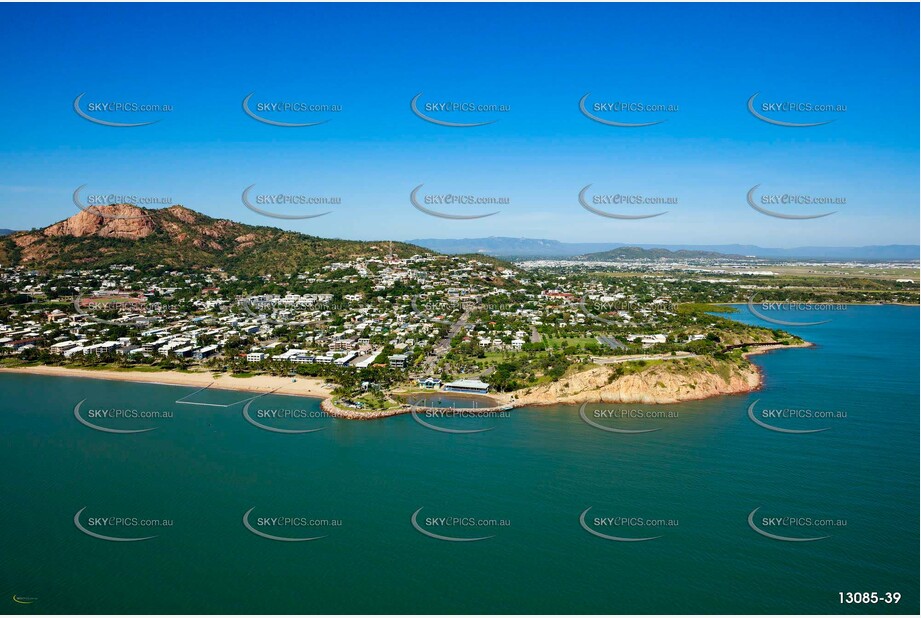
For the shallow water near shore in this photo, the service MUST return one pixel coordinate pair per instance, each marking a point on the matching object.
(697, 476)
(449, 400)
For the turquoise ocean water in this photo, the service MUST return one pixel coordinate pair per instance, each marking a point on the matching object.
(692, 483)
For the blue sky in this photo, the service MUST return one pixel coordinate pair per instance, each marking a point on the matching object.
(539, 60)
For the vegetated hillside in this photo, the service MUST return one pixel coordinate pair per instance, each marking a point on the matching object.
(488, 259)
(180, 238)
(638, 253)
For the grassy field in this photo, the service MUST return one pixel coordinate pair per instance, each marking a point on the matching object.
(705, 307)
(556, 342)
(838, 271)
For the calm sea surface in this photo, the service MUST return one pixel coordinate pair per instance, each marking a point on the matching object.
(692, 484)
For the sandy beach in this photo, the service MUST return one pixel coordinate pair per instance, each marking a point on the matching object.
(302, 387)
(318, 388)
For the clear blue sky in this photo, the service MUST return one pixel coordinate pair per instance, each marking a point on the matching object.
(538, 59)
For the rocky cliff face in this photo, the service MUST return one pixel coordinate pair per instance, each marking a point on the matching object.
(660, 384)
(114, 221)
(177, 237)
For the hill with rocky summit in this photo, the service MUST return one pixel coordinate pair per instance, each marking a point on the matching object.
(180, 238)
(639, 253)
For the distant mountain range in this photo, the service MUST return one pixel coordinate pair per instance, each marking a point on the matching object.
(182, 238)
(501, 246)
(638, 253)
(5, 232)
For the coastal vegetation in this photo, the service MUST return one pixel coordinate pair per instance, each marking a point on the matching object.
(174, 290)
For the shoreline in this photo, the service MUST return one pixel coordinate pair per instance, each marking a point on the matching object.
(317, 388)
(848, 304)
(778, 346)
(750, 384)
(764, 350)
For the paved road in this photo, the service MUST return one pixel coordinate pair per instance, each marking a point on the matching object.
(611, 342)
(613, 360)
(444, 344)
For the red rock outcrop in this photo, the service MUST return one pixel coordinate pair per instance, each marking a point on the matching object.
(113, 221)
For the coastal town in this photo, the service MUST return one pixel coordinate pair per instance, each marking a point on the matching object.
(460, 309)
(372, 324)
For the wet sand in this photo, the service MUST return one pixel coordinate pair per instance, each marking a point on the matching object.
(300, 386)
